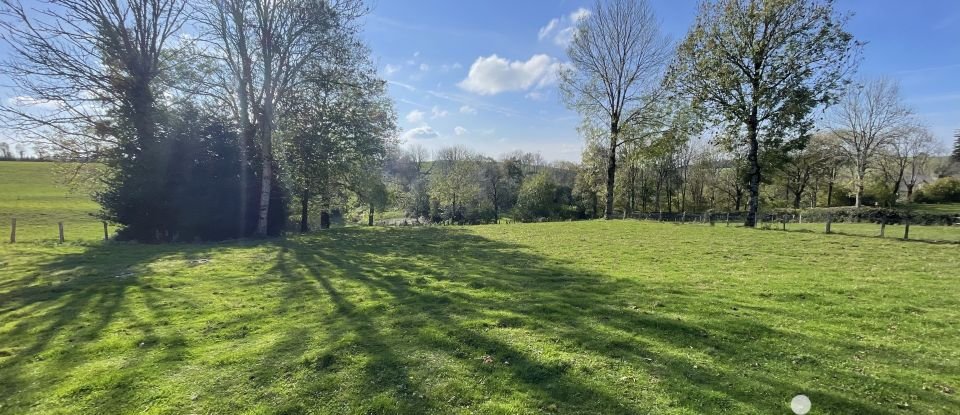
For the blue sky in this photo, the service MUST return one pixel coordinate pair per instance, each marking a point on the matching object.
(426, 49)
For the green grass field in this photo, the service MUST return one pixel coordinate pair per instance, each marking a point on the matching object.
(584, 317)
(944, 208)
(920, 233)
(31, 193)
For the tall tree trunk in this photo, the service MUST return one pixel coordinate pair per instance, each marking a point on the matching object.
(266, 181)
(895, 193)
(861, 172)
(370, 216)
(596, 205)
(830, 193)
(247, 130)
(266, 129)
(910, 192)
(304, 211)
(611, 170)
(754, 160)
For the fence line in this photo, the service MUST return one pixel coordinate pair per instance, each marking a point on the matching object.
(61, 231)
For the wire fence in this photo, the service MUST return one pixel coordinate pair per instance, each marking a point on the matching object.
(903, 226)
(31, 230)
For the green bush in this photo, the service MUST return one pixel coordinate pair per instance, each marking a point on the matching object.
(870, 215)
(944, 190)
(536, 199)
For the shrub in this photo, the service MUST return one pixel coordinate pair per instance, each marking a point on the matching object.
(944, 190)
(536, 199)
(187, 186)
(869, 214)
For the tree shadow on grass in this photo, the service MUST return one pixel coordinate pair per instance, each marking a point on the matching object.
(54, 319)
(432, 320)
(548, 331)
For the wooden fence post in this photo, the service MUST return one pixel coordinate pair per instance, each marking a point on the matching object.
(60, 225)
(106, 235)
(829, 220)
(883, 228)
(13, 230)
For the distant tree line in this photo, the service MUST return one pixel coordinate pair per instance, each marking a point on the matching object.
(21, 152)
(457, 185)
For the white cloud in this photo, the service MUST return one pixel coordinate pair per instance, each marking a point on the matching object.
(535, 96)
(424, 67)
(391, 69)
(458, 130)
(492, 75)
(415, 116)
(466, 109)
(447, 67)
(561, 29)
(416, 54)
(437, 112)
(25, 101)
(549, 28)
(424, 132)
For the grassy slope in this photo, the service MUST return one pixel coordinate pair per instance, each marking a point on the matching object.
(30, 193)
(588, 317)
(943, 208)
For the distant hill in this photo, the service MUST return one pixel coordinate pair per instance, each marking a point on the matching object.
(31, 192)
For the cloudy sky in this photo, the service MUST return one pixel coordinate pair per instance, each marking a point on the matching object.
(482, 73)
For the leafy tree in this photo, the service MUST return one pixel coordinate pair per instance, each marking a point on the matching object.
(265, 50)
(944, 190)
(184, 188)
(616, 61)
(804, 165)
(497, 186)
(956, 147)
(336, 135)
(590, 181)
(536, 198)
(456, 181)
(760, 68)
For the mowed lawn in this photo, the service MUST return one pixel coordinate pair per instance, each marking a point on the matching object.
(33, 194)
(583, 317)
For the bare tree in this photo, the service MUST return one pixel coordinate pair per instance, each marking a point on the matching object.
(617, 58)
(918, 147)
(804, 165)
(868, 118)
(77, 65)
